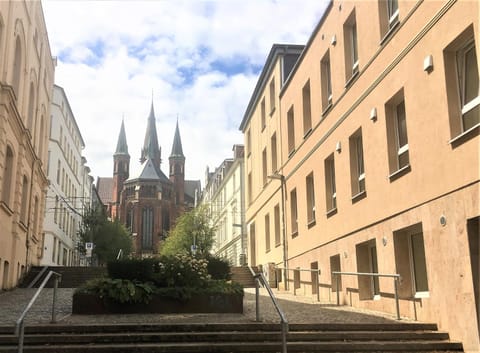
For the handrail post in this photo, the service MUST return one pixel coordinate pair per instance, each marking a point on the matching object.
(395, 283)
(257, 298)
(55, 287)
(337, 275)
(318, 285)
(284, 336)
(20, 338)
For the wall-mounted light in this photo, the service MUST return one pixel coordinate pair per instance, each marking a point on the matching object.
(373, 114)
(338, 147)
(345, 255)
(384, 241)
(428, 63)
(334, 40)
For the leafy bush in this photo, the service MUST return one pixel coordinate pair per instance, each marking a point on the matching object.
(181, 271)
(213, 287)
(120, 290)
(218, 268)
(132, 269)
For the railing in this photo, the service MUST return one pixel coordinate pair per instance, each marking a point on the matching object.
(395, 277)
(20, 323)
(120, 254)
(37, 277)
(317, 282)
(259, 277)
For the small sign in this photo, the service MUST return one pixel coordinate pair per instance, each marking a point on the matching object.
(193, 248)
(89, 246)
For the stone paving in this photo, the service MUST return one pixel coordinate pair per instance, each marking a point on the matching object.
(298, 309)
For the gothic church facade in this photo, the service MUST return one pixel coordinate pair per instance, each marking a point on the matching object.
(148, 203)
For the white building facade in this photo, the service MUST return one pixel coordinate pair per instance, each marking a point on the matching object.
(224, 195)
(69, 189)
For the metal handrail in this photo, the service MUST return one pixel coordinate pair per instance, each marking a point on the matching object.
(37, 277)
(20, 323)
(395, 277)
(260, 277)
(120, 254)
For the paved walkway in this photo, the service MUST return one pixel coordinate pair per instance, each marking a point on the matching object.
(298, 309)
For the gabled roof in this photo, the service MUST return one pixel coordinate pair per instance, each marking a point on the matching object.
(122, 147)
(190, 187)
(177, 150)
(105, 189)
(150, 172)
(150, 148)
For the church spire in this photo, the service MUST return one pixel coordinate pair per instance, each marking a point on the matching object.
(150, 149)
(177, 150)
(122, 147)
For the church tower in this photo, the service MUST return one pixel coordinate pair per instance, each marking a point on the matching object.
(121, 167)
(150, 149)
(177, 170)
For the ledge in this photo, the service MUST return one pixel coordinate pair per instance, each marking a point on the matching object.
(397, 174)
(5, 207)
(465, 136)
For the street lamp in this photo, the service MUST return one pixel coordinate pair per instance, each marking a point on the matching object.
(281, 177)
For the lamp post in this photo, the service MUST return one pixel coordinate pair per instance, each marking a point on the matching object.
(281, 177)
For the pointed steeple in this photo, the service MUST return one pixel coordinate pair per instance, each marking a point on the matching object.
(122, 147)
(150, 149)
(177, 150)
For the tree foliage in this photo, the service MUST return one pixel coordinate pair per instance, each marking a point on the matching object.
(192, 227)
(107, 237)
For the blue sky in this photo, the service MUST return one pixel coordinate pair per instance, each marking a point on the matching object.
(201, 59)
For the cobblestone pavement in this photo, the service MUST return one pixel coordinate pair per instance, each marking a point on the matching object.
(298, 309)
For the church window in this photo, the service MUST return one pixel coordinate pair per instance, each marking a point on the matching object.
(147, 228)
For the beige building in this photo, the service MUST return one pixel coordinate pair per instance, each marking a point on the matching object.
(224, 196)
(26, 82)
(374, 140)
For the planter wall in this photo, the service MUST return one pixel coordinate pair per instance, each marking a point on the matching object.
(217, 303)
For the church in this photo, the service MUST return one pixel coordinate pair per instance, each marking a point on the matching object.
(148, 203)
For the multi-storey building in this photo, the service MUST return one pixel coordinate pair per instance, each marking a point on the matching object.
(376, 150)
(26, 81)
(224, 195)
(69, 185)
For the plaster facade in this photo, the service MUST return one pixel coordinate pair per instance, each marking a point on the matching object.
(378, 153)
(26, 82)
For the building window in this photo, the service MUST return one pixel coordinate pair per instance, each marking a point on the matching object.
(326, 82)
(23, 206)
(264, 167)
(392, 12)
(273, 148)
(330, 187)
(31, 108)
(293, 212)
(307, 109)
(411, 262)
(388, 14)
(55, 214)
(462, 82)
(249, 188)
(17, 68)
(248, 147)
(351, 47)
(310, 199)
(7, 176)
(147, 228)
(291, 130)
(263, 114)
(368, 286)
(272, 96)
(267, 232)
(357, 168)
(276, 212)
(336, 267)
(397, 133)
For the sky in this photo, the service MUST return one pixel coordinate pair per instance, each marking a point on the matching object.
(198, 60)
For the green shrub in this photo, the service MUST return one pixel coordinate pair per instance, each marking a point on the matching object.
(218, 268)
(181, 271)
(132, 269)
(120, 290)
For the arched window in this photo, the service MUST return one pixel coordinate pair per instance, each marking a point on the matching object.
(17, 67)
(31, 108)
(41, 141)
(35, 216)
(147, 228)
(7, 176)
(23, 206)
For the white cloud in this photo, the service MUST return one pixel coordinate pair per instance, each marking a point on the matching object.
(112, 54)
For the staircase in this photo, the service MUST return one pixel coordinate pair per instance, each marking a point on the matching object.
(72, 277)
(243, 276)
(233, 337)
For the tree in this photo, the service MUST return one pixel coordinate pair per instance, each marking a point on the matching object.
(192, 227)
(107, 237)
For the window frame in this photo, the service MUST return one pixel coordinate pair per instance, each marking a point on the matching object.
(330, 185)
(310, 197)
(465, 107)
(401, 149)
(294, 212)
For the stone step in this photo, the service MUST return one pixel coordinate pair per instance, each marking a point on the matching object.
(72, 276)
(241, 346)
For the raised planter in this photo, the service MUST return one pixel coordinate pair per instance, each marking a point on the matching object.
(91, 304)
